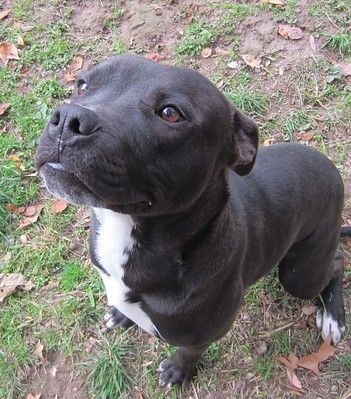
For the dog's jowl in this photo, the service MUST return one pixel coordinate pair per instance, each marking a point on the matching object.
(187, 212)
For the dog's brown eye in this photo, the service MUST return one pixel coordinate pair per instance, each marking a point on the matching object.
(82, 88)
(171, 114)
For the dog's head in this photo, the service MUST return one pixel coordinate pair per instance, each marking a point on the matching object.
(143, 138)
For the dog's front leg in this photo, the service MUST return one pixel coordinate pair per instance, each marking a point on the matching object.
(180, 368)
(113, 317)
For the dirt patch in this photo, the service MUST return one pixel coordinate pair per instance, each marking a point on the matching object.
(56, 378)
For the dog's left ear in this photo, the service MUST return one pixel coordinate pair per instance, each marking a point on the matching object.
(244, 141)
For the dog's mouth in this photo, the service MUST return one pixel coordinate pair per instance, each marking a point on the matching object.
(65, 184)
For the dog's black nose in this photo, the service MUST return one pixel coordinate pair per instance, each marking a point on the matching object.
(70, 120)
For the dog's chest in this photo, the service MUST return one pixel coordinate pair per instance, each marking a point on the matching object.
(112, 246)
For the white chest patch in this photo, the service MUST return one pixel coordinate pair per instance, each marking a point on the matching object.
(113, 243)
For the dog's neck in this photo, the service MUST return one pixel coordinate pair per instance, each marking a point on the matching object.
(187, 223)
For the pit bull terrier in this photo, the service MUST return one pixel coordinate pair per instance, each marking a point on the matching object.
(187, 212)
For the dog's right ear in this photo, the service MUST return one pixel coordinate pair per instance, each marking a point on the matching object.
(244, 139)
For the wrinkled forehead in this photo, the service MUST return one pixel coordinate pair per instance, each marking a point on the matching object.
(125, 73)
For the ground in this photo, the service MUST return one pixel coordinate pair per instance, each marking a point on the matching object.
(52, 341)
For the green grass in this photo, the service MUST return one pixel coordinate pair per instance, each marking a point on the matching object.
(340, 42)
(67, 318)
(118, 47)
(197, 36)
(108, 377)
(55, 53)
(287, 13)
(233, 13)
(297, 122)
(72, 275)
(249, 101)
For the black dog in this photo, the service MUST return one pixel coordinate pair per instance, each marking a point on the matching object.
(180, 227)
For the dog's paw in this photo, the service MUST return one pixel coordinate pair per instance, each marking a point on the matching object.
(328, 325)
(114, 319)
(171, 374)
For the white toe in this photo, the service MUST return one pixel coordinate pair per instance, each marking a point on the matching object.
(327, 324)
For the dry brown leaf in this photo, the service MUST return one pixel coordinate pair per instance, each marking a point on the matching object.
(291, 364)
(51, 284)
(14, 157)
(38, 351)
(221, 51)
(345, 68)
(308, 310)
(4, 107)
(25, 72)
(30, 211)
(59, 206)
(252, 60)
(290, 32)
(28, 286)
(303, 136)
(8, 51)
(70, 77)
(312, 361)
(9, 283)
(206, 52)
(15, 209)
(76, 64)
(20, 41)
(274, 2)
(31, 219)
(155, 57)
(33, 396)
(4, 14)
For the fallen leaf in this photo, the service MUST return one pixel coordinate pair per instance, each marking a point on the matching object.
(24, 239)
(83, 216)
(345, 68)
(308, 310)
(51, 284)
(59, 206)
(33, 396)
(274, 2)
(38, 351)
(221, 51)
(304, 136)
(30, 211)
(233, 64)
(8, 51)
(206, 52)
(4, 14)
(53, 371)
(291, 364)
(9, 283)
(14, 157)
(312, 43)
(31, 219)
(29, 285)
(155, 57)
(312, 361)
(25, 72)
(252, 60)
(76, 64)
(20, 41)
(70, 77)
(4, 107)
(290, 32)
(15, 209)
